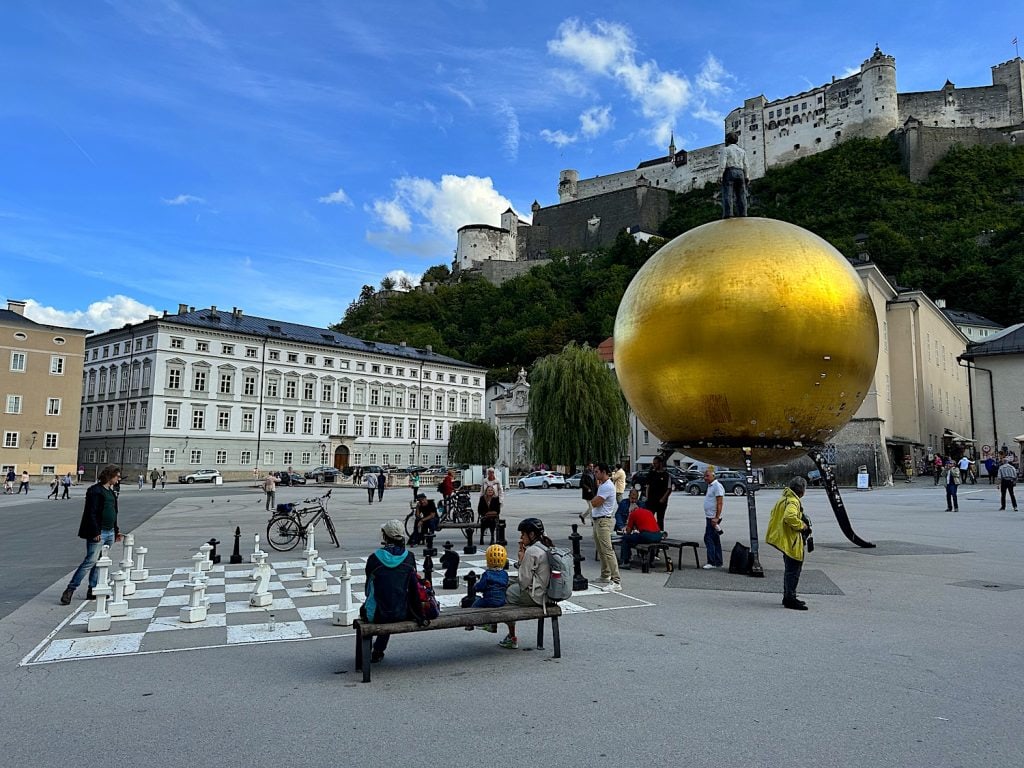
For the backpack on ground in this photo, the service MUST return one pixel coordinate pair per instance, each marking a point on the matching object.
(560, 578)
(423, 605)
(740, 561)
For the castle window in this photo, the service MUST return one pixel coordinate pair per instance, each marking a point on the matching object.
(818, 140)
(838, 134)
(819, 99)
(796, 147)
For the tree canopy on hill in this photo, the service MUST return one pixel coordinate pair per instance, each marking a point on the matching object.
(958, 236)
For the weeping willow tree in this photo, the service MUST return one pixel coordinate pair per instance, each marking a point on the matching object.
(577, 412)
(473, 442)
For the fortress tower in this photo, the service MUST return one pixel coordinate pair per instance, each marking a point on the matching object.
(1011, 75)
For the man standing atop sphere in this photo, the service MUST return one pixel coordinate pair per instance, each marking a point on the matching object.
(733, 166)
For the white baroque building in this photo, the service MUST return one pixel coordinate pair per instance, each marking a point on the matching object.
(224, 390)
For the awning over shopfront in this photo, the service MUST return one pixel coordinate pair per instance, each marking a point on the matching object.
(955, 437)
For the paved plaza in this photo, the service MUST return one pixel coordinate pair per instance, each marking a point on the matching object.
(910, 654)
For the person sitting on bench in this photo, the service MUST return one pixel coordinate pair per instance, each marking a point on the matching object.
(625, 508)
(388, 573)
(531, 588)
(426, 520)
(641, 528)
(488, 510)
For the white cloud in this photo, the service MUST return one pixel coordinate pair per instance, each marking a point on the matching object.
(608, 49)
(183, 200)
(336, 198)
(510, 141)
(431, 212)
(595, 121)
(707, 114)
(558, 138)
(850, 72)
(400, 275)
(111, 312)
(392, 215)
(712, 77)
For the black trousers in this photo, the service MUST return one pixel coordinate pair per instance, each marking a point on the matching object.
(1006, 486)
(791, 577)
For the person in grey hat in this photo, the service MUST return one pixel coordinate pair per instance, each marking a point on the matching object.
(388, 572)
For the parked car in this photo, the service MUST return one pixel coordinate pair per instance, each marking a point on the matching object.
(733, 482)
(371, 469)
(639, 479)
(322, 473)
(574, 481)
(199, 476)
(415, 468)
(290, 478)
(542, 479)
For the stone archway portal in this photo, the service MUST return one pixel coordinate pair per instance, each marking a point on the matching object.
(341, 457)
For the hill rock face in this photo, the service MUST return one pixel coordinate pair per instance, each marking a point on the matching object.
(958, 235)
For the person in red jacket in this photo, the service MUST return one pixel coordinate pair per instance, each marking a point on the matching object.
(641, 528)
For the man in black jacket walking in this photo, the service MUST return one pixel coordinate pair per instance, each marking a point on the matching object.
(588, 490)
(98, 528)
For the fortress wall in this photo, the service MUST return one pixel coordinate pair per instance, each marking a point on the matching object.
(985, 107)
(611, 182)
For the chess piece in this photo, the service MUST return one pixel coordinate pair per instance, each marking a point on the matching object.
(214, 557)
(471, 579)
(579, 581)
(198, 604)
(118, 605)
(309, 569)
(127, 564)
(260, 596)
(197, 565)
(141, 573)
(256, 548)
(255, 557)
(428, 568)
(501, 533)
(207, 563)
(450, 563)
(345, 613)
(319, 582)
(469, 549)
(100, 619)
(236, 554)
(429, 549)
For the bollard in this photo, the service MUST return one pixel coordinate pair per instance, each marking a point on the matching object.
(236, 553)
(579, 581)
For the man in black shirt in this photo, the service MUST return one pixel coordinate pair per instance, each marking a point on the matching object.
(588, 490)
(98, 528)
(657, 489)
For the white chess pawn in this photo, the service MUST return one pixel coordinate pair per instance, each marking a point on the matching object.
(345, 613)
(205, 550)
(100, 619)
(118, 606)
(141, 573)
(319, 582)
(197, 607)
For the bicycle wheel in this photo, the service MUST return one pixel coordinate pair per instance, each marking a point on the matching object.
(283, 533)
(330, 529)
(410, 524)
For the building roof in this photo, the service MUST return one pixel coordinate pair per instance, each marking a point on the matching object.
(1008, 342)
(208, 319)
(7, 317)
(964, 317)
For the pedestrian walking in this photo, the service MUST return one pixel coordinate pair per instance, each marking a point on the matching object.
(414, 481)
(24, 482)
(163, 478)
(1007, 480)
(382, 481)
(9, 479)
(66, 484)
(714, 501)
(54, 488)
(270, 489)
(588, 489)
(991, 469)
(142, 480)
(98, 527)
(154, 477)
(370, 481)
(789, 531)
(966, 467)
(953, 480)
(937, 465)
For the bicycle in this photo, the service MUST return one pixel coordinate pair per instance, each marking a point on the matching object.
(286, 526)
(459, 509)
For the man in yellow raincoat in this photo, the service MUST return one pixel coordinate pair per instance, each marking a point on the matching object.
(787, 530)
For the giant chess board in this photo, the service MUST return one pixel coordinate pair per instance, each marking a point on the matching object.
(296, 613)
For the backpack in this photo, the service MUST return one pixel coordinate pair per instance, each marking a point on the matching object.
(423, 605)
(560, 578)
(740, 561)
(440, 487)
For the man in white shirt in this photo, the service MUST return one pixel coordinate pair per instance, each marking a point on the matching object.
(732, 165)
(966, 475)
(603, 511)
(714, 500)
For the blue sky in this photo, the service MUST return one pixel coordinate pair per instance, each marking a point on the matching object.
(277, 156)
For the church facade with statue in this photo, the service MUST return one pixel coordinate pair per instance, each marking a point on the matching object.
(507, 408)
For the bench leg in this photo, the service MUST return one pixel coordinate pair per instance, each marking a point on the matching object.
(556, 639)
(359, 648)
(696, 557)
(540, 633)
(366, 658)
(645, 561)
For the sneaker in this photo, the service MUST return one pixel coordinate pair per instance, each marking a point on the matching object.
(89, 595)
(510, 642)
(66, 595)
(469, 628)
(493, 628)
(613, 587)
(600, 582)
(707, 566)
(376, 657)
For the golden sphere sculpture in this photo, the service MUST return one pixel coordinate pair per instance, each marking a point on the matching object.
(746, 332)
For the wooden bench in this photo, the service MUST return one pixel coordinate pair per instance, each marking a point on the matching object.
(649, 553)
(452, 618)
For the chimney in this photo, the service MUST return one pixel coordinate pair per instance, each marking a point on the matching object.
(182, 309)
(191, 309)
(430, 347)
(940, 303)
(153, 317)
(17, 307)
(165, 313)
(401, 343)
(236, 313)
(213, 309)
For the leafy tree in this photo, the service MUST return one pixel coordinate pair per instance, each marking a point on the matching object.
(387, 283)
(577, 412)
(439, 273)
(473, 442)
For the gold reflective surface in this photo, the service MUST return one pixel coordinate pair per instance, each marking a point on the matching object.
(746, 332)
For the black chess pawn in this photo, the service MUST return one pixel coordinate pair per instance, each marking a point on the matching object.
(450, 563)
(579, 581)
(428, 568)
(236, 554)
(470, 598)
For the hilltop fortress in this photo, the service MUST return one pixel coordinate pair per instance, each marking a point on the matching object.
(591, 212)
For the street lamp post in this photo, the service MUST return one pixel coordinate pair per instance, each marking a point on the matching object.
(416, 453)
